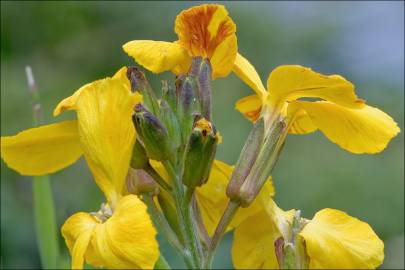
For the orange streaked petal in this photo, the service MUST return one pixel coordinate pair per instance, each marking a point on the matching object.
(209, 32)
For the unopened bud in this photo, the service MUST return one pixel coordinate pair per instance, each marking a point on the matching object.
(139, 159)
(140, 182)
(205, 91)
(140, 83)
(264, 164)
(199, 154)
(188, 105)
(152, 133)
(246, 160)
(171, 123)
(169, 95)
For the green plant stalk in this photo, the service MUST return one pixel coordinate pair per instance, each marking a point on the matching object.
(191, 229)
(45, 225)
(161, 223)
(185, 217)
(220, 230)
(178, 198)
(44, 210)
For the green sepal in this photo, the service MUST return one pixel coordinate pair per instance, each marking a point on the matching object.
(246, 160)
(199, 155)
(140, 83)
(139, 158)
(152, 133)
(169, 120)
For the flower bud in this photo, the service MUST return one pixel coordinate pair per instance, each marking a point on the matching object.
(139, 182)
(199, 154)
(188, 105)
(264, 164)
(152, 133)
(171, 123)
(140, 83)
(202, 70)
(246, 160)
(169, 95)
(139, 159)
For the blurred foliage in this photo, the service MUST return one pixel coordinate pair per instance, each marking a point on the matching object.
(71, 43)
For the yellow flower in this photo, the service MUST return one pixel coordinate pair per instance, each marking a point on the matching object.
(340, 115)
(104, 133)
(206, 31)
(332, 240)
(125, 240)
(212, 200)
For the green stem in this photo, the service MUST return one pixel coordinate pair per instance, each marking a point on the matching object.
(223, 224)
(178, 192)
(44, 210)
(162, 224)
(191, 229)
(161, 263)
(149, 169)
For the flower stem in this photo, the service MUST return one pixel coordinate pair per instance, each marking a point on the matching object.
(149, 169)
(191, 229)
(226, 218)
(44, 210)
(161, 222)
(178, 193)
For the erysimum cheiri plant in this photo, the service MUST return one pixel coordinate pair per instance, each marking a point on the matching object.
(154, 158)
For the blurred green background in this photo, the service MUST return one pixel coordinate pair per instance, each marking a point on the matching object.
(71, 43)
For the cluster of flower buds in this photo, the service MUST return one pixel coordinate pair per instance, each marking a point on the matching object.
(176, 127)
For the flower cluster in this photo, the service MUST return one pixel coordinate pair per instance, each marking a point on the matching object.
(154, 158)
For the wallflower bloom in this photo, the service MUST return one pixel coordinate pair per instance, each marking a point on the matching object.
(121, 234)
(206, 31)
(344, 118)
(331, 240)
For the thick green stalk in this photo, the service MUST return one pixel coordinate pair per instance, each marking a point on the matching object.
(178, 193)
(191, 229)
(44, 210)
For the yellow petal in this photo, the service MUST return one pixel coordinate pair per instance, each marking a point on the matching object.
(42, 150)
(250, 107)
(335, 240)
(159, 56)
(107, 133)
(253, 243)
(247, 73)
(69, 103)
(127, 240)
(302, 124)
(211, 197)
(209, 32)
(77, 232)
(290, 82)
(366, 130)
